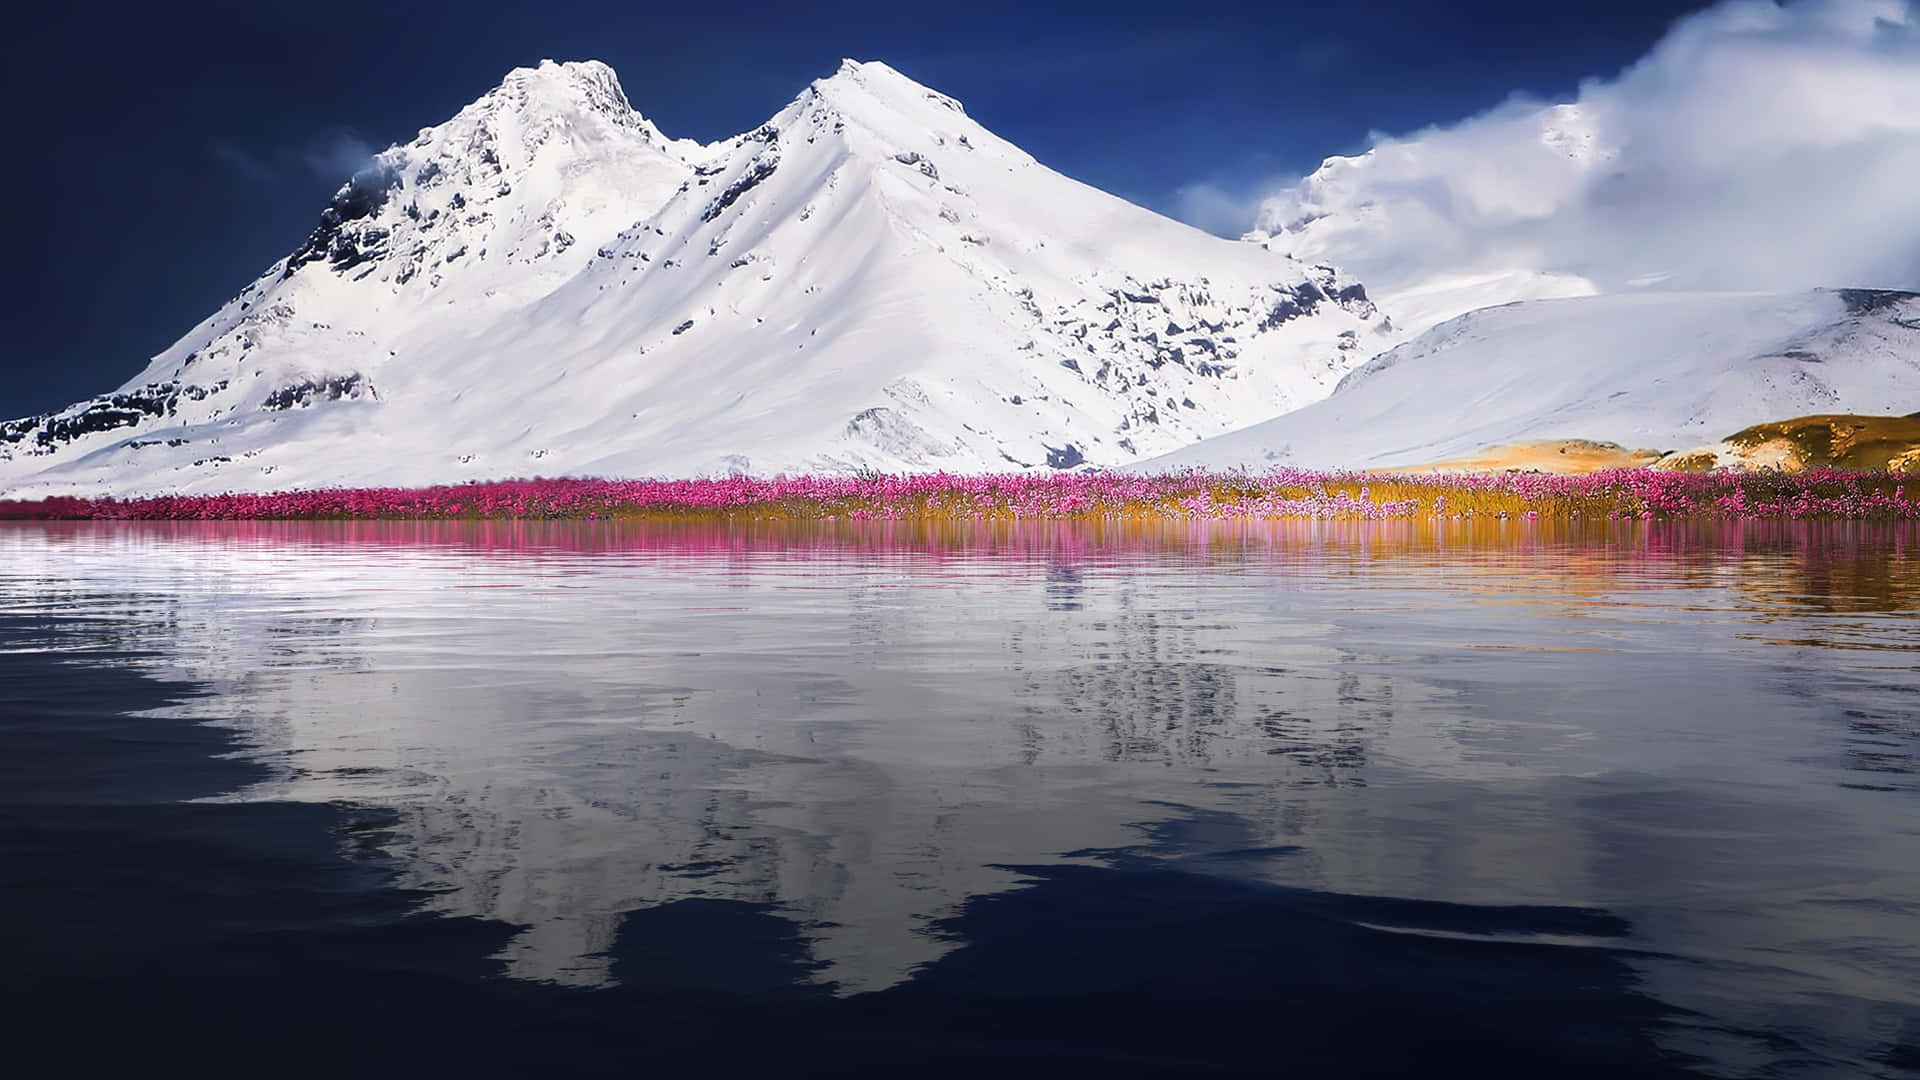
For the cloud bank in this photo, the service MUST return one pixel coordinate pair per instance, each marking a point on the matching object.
(1757, 147)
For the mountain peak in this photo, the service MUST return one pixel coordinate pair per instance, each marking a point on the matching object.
(552, 154)
(563, 88)
(873, 81)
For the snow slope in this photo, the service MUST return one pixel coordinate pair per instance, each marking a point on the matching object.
(545, 285)
(1656, 370)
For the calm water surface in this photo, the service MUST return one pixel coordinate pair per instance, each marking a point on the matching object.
(1319, 800)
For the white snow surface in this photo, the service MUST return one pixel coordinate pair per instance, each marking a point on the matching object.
(1661, 371)
(546, 285)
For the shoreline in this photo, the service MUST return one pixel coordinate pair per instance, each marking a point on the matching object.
(1283, 494)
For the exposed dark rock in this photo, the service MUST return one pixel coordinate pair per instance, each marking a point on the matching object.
(913, 157)
(1294, 301)
(303, 393)
(13, 431)
(1872, 301)
(762, 167)
(1065, 457)
(336, 240)
(683, 327)
(105, 413)
(1354, 294)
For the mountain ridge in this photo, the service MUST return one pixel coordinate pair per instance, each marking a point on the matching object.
(547, 284)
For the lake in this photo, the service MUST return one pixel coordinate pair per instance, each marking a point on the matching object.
(1389, 798)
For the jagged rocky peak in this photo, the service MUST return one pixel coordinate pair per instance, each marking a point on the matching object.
(537, 102)
(579, 105)
(553, 156)
(588, 84)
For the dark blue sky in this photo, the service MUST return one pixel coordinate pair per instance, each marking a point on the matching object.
(165, 155)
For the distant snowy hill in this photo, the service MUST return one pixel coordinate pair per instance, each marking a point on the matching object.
(1661, 371)
(546, 285)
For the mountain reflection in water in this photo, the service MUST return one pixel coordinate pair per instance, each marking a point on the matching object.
(1151, 798)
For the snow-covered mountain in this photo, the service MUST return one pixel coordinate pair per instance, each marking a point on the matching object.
(1662, 371)
(546, 285)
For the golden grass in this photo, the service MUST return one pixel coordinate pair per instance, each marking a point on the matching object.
(1837, 440)
(1548, 455)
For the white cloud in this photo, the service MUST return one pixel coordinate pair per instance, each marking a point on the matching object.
(1215, 208)
(330, 155)
(1757, 146)
(336, 154)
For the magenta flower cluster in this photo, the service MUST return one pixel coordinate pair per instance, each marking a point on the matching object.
(1284, 493)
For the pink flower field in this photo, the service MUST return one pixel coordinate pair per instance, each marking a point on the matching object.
(1188, 496)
